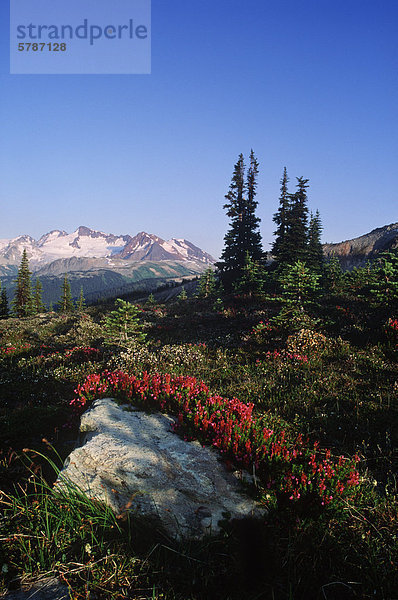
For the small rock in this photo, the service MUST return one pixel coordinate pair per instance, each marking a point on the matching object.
(49, 588)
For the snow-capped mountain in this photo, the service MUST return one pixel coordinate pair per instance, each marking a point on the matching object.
(87, 243)
(146, 246)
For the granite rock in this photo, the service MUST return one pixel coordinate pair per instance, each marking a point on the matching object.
(133, 461)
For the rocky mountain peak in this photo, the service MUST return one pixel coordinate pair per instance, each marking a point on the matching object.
(54, 234)
(84, 231)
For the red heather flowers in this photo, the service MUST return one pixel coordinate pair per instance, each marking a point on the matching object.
(392, 326)
(9, 350)
(260, 327)
(293, 356)
(82, 353)
(289, 465)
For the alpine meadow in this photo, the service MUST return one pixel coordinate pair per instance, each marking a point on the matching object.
(198, 300)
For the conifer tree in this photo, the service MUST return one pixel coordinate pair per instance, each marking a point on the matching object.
(232, 257)
(122, 326)
(333, 275)
(66, 303)
(252, 241)
(38, 297)
(151, 300)
(81, 303)
(252, 278)
(207, 284)
(22, 303)
(299, 284)
(243, 235)
(183, 295)
(297, 226)
(281, 218)
(315, 251)
(4, 312)
(385, 280)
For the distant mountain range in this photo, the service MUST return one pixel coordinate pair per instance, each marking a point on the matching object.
(104, 264)
(87, 243)
(356, 252)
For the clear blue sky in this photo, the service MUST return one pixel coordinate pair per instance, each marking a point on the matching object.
(310, 84)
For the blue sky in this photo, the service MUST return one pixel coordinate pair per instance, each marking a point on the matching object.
(311, 85)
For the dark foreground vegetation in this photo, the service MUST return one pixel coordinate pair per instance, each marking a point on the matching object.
(316, 369)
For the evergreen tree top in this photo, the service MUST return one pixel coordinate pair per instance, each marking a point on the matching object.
(243, 235)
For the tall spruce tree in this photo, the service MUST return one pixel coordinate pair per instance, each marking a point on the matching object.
(38, 297)
(233, 254)
(243, 235)
(81, 302)
(296, 241)
(23, 303)
(253, 244)
(66, 303)
(315, 251)
(281, 218)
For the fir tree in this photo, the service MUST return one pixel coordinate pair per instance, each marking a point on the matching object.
(281, 218)
(122, 325)
(252, 241)
(299, 284)
(297, 224)
(81, 303)
(4, 312)
(66, 303)
(183, 295)
(252, 279)
(232, 256)
(243, 235)
(151, 300)
(22, 303)
(315, 251)
(333, 276)
(207, 284)
(38, 298)
(384, 287)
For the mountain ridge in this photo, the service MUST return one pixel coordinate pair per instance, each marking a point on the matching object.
(357, 251)
(100, 263)
(89, 243)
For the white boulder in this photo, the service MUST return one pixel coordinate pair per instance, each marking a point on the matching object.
(133, 461)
